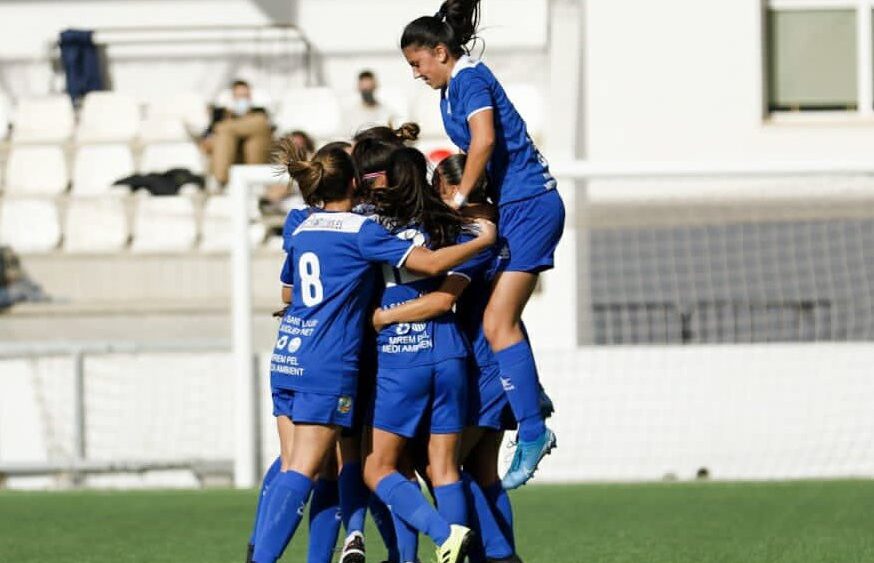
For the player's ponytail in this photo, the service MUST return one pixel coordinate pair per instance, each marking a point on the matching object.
(406, 133)
(409, 200)
(324, 178)
(454, 25)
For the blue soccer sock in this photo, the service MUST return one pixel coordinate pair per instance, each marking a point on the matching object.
(484, 523)
(406, 500)
(324, 521)
(271, 473)
(383, 519)
(452, 503)
(354, 496)
(285, 503)
(408, 539)
(519, 378)
(502, 509)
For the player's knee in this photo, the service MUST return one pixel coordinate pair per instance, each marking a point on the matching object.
(375, 470)
(500, 330)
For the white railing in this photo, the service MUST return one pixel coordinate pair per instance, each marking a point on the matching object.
(563, 283)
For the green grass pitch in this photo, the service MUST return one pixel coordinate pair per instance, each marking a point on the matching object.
(831, 521)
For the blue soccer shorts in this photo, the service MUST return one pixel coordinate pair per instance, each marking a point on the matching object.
(531, 229)
(430, 398)
(488, 405)
(314, 408)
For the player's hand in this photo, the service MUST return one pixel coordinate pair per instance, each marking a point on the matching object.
(488, 232)
(378, 320)
(281, 312)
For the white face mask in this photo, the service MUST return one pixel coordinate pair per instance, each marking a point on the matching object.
(241, 106)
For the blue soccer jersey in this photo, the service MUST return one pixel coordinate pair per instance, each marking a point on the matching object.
(427, 342)
(516, 169)
(471, 305)
(329, 257)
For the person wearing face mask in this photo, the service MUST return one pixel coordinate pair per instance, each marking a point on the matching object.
(365, 110)
(240, 133)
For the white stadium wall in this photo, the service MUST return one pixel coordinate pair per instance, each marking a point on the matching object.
(623, 413)
(683, 81)
(347, 35)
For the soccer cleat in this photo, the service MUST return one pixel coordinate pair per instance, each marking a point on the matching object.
(526, 459)
(454, 549)
(250, 551)
(512, 559)
(353, 549)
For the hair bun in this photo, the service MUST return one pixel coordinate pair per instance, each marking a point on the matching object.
(408, 132)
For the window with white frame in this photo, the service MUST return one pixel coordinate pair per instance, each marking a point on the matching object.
(819, 55)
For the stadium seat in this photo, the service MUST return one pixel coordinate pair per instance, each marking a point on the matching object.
(175, 117)
(108, 117)
(4, 117)
(436, 151)
(43, 120)
(164, 224)
(97, 167)
(160, 157)
(95, 224)
(529, 102)
(29, 225)
(397, 100)
(425, 110)
(36, 170)
(217, 229)
(316, 111)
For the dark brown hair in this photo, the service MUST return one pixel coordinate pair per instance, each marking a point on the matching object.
(408, 132)
(409, 200)
(454, 25)
(322, 179)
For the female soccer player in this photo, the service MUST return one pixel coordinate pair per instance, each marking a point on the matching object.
(371, 153)
(481, 120)
(489, 412)
(422, 373)
(314, 365)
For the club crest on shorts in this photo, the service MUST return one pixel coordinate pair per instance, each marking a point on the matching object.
(344, 405)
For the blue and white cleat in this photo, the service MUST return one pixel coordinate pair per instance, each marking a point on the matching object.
(526, 459)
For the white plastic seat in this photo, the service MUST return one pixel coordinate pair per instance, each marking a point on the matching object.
(315, 111)
(170, 114)
(36, 170)
(436, 150)
(425, 110)
(164, 224)
(29, 225)
(97, 167)
(528, 101)
(217, 228)
(95, 224)
(396, 100)
(43, 120)
(160, 157)
(108, 117)
(4, 117)
(158, 129)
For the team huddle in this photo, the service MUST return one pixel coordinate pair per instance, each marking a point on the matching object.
(401, 354)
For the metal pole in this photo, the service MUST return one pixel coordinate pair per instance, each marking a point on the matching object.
(241, 317)
(79, 428)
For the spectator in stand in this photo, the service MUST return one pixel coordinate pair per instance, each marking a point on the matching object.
(240, 132)
(303, 141)
(367, 110)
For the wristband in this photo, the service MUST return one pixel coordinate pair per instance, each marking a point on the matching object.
(459, 200)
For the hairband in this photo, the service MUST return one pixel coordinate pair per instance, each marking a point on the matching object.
(373, 175)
